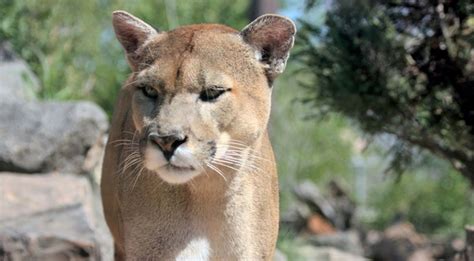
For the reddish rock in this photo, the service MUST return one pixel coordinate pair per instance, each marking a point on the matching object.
(316, 224)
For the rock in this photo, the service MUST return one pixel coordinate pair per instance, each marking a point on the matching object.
(49, 136)
(295, 217)
(319, 226)
(401, 242)
(347, 241)
(6, 52)
(336, 208)
(94, 160)
(309, 193)
(44, 136)
(343, 205)
(47, 217)
(421, 255)
(16, 79)
(327, 254)
(50, 216)
(446, 248)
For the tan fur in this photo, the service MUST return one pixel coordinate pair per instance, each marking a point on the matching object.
(234, 214)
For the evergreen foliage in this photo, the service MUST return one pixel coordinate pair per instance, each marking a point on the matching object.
(400, 67)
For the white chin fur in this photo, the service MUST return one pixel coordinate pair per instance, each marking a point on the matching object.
(176, 176)
(182, 158)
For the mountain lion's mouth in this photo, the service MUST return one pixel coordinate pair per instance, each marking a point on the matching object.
(174, 174)
(172, 167)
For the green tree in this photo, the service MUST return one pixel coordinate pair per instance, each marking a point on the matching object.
(400, 67)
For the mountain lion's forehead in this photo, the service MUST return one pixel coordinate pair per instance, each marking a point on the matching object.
(191, 29)
(197, 52)
(183, 40)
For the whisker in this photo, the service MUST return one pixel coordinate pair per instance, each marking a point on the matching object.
(122, 143)
(226, 165)
(131, 83)
(120, 140)
(130, 132)
(138, 176)
(242, 166)
(131, 159)
(130, 164)
(252, 156)
(231, 147)
(249, 150)
(216, 169)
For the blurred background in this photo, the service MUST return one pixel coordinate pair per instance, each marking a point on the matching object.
(372, 124)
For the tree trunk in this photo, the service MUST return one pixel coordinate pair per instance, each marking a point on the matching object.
(470, 243)
(260, 7)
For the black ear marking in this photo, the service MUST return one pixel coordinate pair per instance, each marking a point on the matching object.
(265, 54)
(272, 36)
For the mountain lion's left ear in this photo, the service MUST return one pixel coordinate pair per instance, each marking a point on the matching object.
(132, 33)
(272, 36)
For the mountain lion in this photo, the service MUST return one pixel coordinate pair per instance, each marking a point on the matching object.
(189, 172)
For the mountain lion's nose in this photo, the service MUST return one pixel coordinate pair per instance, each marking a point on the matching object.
(167, 144)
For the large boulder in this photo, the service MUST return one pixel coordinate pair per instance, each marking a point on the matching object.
(44, 136)
(48, 217)
(49, 136)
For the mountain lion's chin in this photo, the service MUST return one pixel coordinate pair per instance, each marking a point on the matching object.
(176, 175)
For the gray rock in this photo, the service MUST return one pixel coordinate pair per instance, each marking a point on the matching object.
(47, 217)
(44, 136)
(296, 216)
(327, 254)
(347, 241)
(337, 207)
(6, 52)
(16, 79)
(49, 136)
(308, 193)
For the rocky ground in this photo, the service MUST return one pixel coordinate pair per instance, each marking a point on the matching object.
(50, 155)
(326, 219)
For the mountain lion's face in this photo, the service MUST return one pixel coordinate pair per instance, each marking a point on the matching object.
(201, 94)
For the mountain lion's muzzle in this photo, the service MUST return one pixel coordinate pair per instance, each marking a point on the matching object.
(167, 143)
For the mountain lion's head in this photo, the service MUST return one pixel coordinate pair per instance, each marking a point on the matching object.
(201, 93)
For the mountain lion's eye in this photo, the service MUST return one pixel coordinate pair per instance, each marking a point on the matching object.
(149, 91)
(211, 94)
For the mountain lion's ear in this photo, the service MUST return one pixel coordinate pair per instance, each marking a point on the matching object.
(272, 36)
(131, 32)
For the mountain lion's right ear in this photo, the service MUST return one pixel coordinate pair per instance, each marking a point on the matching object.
(272, 36)
(131, 32)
